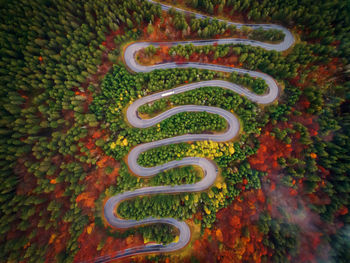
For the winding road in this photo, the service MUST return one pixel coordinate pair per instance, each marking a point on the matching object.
(210, 169)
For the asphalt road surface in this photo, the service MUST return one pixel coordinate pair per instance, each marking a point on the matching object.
(209, 167)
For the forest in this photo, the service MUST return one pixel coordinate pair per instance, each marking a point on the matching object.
(283, 190)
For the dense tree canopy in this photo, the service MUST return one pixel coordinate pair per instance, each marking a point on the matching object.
(64, 92)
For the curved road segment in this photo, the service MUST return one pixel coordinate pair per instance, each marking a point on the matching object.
(209, 168)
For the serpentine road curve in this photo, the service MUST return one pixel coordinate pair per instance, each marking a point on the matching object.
(209, 167)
